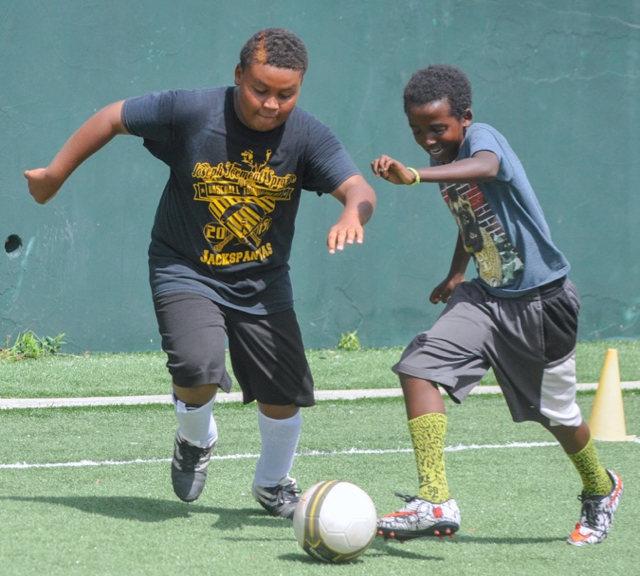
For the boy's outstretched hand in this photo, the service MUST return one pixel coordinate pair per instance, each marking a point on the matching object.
(41, 186)
(347, 230)
(359, 201)
(392, 170)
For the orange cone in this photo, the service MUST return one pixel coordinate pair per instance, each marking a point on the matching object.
(607, 414)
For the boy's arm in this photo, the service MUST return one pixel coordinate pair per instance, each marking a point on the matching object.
(359, 201)
(459, 262)
(481, 167)
(104, 125)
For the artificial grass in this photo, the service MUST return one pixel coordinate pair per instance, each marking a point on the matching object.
(113, 511)
(144, 373)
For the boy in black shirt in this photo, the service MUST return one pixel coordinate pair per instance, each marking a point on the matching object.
(239, 158)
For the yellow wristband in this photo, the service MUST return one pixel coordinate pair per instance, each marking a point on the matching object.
(415, 173)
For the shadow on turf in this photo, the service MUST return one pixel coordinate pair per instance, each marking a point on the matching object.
(462, 539)
(395, 549)
(378, 549)
(153, 510)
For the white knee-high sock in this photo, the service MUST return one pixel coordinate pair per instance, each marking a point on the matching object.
(279, 443)
(196, 425)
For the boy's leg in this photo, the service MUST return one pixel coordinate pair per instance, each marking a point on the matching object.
(427, 427)
(193, 337)
(451, 354)
(273, 488)
(280, 428)
(432, 511)
(535, 345)
(269, 362)
(577, 444)
(421, 397)
(195, 439)
(602, 489)
(194, 411)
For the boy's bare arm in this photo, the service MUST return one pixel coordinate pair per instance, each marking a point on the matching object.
(457, 271)
(359, 201)
(481, 167)
(104, 125)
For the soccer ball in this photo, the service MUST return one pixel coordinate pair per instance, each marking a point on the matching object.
(335, 521)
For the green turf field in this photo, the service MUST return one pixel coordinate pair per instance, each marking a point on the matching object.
(87, 490)
(65, 376)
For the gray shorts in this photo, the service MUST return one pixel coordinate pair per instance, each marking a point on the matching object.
(529, 342)
(266, 352)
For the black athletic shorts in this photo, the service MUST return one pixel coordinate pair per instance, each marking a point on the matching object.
(266, 352)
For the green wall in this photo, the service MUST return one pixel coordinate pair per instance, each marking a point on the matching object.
(560, 79)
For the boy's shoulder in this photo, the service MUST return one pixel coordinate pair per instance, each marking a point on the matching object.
(201, 95)
(304, 124)
(303, 115)
(479, 127)
(481, 134)
(201, 105)
(180, 99)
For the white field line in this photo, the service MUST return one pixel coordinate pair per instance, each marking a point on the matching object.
(350, 452)
(10, 403)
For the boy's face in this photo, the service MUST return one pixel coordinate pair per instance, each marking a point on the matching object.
(265, 95)
(437, 131)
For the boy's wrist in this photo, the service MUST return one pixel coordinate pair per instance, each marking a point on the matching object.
(416, 175)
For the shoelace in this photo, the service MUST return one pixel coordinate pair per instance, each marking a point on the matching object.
(405, 497)
(289, 489)
(190, 456)
(590, 509)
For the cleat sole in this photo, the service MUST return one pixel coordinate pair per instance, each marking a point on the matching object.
(401, 536)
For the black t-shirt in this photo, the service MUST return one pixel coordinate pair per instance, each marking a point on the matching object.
(225, 222)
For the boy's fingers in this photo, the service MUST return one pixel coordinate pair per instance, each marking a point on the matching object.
(377, 168)
(331, 242)
(337, 239)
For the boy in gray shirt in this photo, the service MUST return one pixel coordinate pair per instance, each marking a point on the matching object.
(518, 317)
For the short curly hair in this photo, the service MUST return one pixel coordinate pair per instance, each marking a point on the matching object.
(276, 47)
(437, 82)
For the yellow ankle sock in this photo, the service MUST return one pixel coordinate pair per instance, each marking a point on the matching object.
(595, 479)
(427, 434)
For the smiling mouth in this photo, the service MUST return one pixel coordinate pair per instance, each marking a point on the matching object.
(435, 151)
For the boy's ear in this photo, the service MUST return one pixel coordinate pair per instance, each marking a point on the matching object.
(467, 117)
(238, 75)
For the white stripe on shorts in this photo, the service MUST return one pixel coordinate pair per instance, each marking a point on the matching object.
(558, 394)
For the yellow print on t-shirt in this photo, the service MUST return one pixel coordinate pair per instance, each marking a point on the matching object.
(241, 198)
(497, 260)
